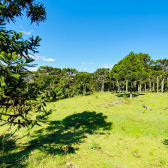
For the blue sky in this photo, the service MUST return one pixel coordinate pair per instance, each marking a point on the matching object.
(91, 34)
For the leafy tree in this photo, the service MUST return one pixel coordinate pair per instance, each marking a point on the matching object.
(162, 64)
(19, 99)
(146, 61)
(101, 75)
(67, 78)
(118, 75)
(52, 75)
(83, 78)
(131, 68)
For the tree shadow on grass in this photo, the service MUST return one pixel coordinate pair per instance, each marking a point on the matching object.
(61, 137)
(128, 95)
(165, 142)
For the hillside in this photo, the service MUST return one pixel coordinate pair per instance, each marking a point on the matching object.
(81, 131)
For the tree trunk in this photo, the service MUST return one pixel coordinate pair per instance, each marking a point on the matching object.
(157, 84)
(118, 86)
(83, 89)
(153, 86)
(68, 85)
(150, 85)
(91, 88)
(145, 87)
(110, 85)
(122, 87)
(162, 90)
(140, 87)
(102, 88)
(131, 91)
(113, 85)
(126, 86)
(134, 84)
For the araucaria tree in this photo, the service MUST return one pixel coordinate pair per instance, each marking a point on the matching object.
(19, 100)
(131, 68)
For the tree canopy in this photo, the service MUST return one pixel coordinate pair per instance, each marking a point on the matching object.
(19, 100)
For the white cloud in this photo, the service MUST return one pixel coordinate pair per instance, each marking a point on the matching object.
(28, 33)
(36, 57)
(107, 65)
(48, 59)
(32, 69)
(87, 63)
(84, 68)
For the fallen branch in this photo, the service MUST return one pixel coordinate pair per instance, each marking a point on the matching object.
(145, 106)
(117, 102)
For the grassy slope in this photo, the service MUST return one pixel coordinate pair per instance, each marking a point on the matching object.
(135, 140)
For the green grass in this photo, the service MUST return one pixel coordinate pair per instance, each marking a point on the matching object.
(81, 131)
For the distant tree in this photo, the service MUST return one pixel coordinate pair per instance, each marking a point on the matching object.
(101, 75)
(50, 74)
(163, 65)
(131, 68)
(146, 61)
(68, 76)
(83, 78)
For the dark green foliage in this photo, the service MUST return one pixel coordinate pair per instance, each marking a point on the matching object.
(83, 79)
(19, 99)
(10, 9)
(135, 72)
(101, 75)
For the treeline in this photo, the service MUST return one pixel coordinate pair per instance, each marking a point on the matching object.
(135, 73)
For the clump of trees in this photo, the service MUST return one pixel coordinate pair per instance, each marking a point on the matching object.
(136, 72)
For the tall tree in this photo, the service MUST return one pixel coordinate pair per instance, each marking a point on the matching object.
(17, 100)
(131, 68)
(83, 78)
(68, 75)
(163, 64)
(101, 75)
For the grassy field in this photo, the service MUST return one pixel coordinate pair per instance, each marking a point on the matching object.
(81, 133)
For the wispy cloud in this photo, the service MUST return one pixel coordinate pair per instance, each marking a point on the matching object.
(82, 69)
(28, 32)
(107, 65)
(49, 59)
(87, 63)
(22, 27)
(36, 57)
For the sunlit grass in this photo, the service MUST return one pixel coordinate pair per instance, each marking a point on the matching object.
(137, 138)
